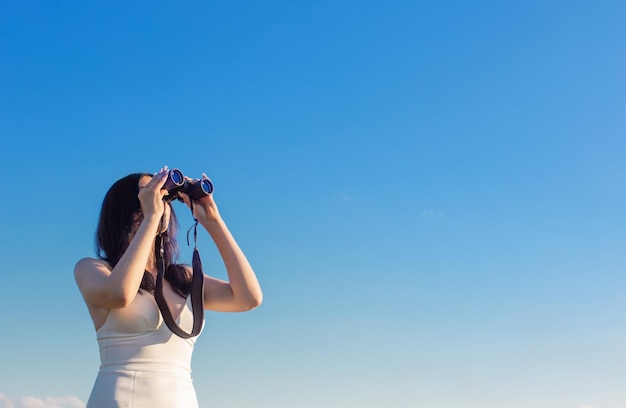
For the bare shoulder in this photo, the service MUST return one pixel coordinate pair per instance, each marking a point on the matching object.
(89, 274)
(88, 263)
(90, 266)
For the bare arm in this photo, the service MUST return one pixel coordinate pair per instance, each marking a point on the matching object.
(115, 288)
(242, 292)
(101, 286)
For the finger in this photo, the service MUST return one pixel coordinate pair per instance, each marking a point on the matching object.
(158, 180)
(161, 179)
(185, 198)
(204, 176)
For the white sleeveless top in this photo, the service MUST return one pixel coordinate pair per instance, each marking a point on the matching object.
(144, 364)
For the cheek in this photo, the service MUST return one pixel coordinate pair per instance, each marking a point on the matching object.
(167, 215)
(166, 221)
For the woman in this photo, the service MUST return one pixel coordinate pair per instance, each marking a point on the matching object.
(143, 364)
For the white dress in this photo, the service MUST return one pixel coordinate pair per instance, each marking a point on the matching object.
(143, 364)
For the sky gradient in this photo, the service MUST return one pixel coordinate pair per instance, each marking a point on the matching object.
(431, 193)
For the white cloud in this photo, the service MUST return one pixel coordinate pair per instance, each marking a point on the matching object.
(5, 402)
(47, 402)
(587, 406)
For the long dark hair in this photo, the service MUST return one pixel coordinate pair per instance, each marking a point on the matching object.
(120, 218)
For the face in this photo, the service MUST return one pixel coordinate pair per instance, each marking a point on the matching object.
(143, 181)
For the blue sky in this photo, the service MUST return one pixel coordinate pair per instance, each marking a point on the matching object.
(431, 193)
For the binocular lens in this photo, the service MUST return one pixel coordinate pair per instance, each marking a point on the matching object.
(206, 186)
(177, 177)
(176, 183)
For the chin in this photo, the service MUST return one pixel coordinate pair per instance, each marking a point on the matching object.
(165, 226)
(166, 223)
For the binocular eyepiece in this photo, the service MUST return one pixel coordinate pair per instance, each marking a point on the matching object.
(195, 189)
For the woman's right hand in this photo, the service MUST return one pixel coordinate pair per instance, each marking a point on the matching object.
(151, 195)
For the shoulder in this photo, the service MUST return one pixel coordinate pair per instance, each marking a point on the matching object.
(89, 265)
(87, 262)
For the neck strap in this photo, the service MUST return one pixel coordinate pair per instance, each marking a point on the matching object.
(197, 292)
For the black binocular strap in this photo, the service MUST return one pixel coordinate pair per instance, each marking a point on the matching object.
(197, 289)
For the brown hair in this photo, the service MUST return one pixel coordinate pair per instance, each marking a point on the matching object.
(120, 217)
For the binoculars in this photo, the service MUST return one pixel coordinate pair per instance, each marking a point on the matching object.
(195, 189)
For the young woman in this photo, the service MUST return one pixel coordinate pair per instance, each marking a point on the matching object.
(143, 364)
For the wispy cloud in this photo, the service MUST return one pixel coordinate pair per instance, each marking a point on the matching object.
(433, 213)
(34, 402)
(587, 406)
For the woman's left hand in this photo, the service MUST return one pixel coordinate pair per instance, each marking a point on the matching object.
(205, 208)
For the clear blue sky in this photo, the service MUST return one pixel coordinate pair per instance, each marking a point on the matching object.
(432, 193)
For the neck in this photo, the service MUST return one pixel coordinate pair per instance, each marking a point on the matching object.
(151, 265)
